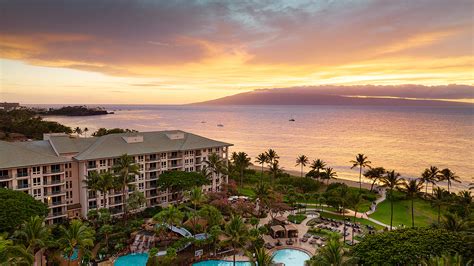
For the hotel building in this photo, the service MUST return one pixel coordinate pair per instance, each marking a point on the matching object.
(54, 170)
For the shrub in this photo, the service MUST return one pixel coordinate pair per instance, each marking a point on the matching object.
(298, 218)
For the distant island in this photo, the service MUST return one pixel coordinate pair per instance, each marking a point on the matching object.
(334, 95)
(74, 111)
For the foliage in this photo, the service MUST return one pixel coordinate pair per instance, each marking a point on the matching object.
(408, 246)
(298, 218)
(26, 122)
(22, 205)
(33, 234)
(136, 200)
(77, 235)
(332, 254)
(11, 254)
(103, 131)
(304, 185)
(179, 180)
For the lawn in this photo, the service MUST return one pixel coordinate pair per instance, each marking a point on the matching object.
(425, 214)
(297, 219)
(359, 220)
(246, 191)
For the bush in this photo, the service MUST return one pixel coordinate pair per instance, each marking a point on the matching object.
(151, 211)
(303, 184)
(369, 197)
(333, 186)
(298, 218)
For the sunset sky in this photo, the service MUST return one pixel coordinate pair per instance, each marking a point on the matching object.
(167, 52)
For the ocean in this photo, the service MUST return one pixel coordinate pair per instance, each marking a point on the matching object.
(406, 139)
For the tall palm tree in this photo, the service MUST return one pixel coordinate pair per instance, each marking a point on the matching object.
(78, 131)
(105, 182)
(196, 196)
(332, 254)
(241, 161)
(237, 233)
(106, 230)
(412, 188)
(452, 222)
(215, 164)
(438, 199)
(464, 199)
(33, 234)
(344, 197)
(261, 159)
(361, 161)
(318, 165)
(77, 237)
(355, 201)
(391, 180)
(11, 254)
(329, 173)
(449, 176)
(262, 257)
(171, 216)
(275, 170)
(430, 175)
(302, 160)
(125, 169)
(375, 174)
(271, 156)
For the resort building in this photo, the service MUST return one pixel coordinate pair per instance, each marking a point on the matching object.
(54, 170)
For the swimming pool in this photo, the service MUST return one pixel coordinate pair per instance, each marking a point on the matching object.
(290, 257)
(221, 263)
(137, 259)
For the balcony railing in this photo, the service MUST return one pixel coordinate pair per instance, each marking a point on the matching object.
(55, 214)
(54, 182)
(56, 192)
(23, 186)
(55, 203)
(2, 177)
(22, 175)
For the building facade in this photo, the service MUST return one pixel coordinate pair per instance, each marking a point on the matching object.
(54, 170)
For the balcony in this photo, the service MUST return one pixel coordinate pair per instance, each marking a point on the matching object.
(57, 203)
(54, 171)
(21, 175)
(5, 177)
(23, 186)
(152, 186)
(54, 182)
(149, 169)
(56, 214)
(56, 192)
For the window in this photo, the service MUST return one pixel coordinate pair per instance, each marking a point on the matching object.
(36, 170)
(102, 163)
(21, 172)
(140, 158)
(152, 157)
(55, 168)
(163, 164)
(23, 183)
(209, 150)
(3, 173)
(91, 164)
(141, 186)
(37, 192)
(191, 161)
(36, 181)
(163, 156)
(92, 204)
(92, 195)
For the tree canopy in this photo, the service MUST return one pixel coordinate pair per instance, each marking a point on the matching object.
(409, 246)
(180, 180)
(16, 207)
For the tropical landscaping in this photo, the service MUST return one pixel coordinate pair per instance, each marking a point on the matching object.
(253, 218)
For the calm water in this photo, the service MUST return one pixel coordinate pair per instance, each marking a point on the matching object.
(406, 139)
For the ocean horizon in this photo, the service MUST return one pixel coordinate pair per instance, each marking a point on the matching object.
(406, 139)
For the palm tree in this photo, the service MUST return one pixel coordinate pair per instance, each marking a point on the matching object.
(125, 169)
(271, 156)
(391, 180)
(430, 175)
(412, 188)
(214, 234)
(242, 162)
(452, 222)
(105, 182)
(332, 254)
(449, 176)
(438, 199)
(171, 216)
(106, 230)
(318, 165)
(11, 254)
(274, 170)
(361, 162)
(302, 160)
(262, 257)
(464, 199)
(215, 164)
(329, 173)
(261, 159)
(196, 196)
(237, 233)
(375, 174)
(354, 201)
(34, 234)
(344, 197)
(78, 131)
(77, 237)
(92, 181)
(212, 215)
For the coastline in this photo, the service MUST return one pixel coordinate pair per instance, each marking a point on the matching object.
(350, 183)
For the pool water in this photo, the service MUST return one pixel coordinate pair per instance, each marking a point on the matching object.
(221, 263)
(74, 256)
(137, 259)
(290, 257)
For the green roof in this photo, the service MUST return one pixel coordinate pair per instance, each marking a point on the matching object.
(114, 145)
(19, 154)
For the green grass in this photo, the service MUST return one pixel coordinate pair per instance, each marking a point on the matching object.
(425, 214)
(359, 220)
(298, 218)
(246, 191)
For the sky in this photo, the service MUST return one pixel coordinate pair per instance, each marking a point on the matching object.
(172, 52)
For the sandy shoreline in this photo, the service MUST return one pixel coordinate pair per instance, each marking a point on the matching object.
(350, 183)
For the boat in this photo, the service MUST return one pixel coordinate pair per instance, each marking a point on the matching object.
(220, 125)
(203, 122)
(292, 120)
